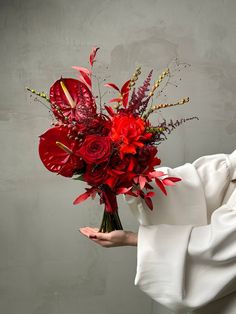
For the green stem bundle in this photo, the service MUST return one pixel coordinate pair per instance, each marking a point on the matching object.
(110, 222)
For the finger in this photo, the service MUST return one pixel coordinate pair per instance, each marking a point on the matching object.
(84, 232)
(92, 229)
(88, 230)
(101, 236)
(93, 233)
(102, 243)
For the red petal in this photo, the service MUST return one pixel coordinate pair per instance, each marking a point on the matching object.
(86, 78)
(123, 190)
(139, 144)
(85, 75)
(161, 186)
(149, 203)
(81, 79)
(132, 193)
(148, 186)
(125, 100)
(131, 164)
(174, 179)
(142, 181)
(150, 194)
(168, 182)
(82, 198)
(156, 174)
(117, 171)
(115, 100)
(110, 110)
(82, 69)
(111, 181)
(125, 88)
(93, 55)
(112, 85)
(129, 176)
(128, 149)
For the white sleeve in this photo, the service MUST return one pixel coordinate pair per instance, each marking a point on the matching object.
(183, 266)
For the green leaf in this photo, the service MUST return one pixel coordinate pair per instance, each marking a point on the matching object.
(79, 178)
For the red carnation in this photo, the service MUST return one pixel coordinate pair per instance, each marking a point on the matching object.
(57, 152)
(95, 149)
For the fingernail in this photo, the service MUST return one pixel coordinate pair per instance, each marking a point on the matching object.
(92, 236)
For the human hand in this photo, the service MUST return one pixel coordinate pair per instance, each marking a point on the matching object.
(110, 239)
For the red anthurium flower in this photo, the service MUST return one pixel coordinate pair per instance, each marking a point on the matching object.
(71, 100)
(57, 152)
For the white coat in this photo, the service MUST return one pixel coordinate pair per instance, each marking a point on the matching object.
(186, 253)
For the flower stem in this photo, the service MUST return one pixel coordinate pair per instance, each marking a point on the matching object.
(110, 222)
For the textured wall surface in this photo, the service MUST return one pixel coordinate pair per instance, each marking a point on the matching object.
(46, 266)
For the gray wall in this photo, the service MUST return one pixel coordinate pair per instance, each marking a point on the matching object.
(46, 266)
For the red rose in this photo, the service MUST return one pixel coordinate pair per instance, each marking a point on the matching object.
(95, 175)
(95, 149)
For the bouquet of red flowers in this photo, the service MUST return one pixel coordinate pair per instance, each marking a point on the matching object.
(114, 152)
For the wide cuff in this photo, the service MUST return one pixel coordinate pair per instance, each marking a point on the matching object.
(137, 209)
(161, 257)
